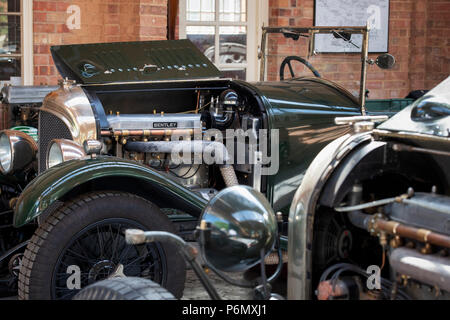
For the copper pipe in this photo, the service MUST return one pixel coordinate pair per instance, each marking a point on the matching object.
(423, 235)
(147, 133)
(198, 102)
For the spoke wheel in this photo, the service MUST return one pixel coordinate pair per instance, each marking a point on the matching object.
(83, 242)
(99, 250)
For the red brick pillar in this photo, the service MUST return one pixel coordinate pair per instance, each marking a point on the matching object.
(437, 52)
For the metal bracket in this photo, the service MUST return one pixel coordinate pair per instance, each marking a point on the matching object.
(257, 170)
(360, 123)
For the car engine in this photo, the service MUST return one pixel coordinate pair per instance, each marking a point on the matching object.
(193, 120)
(413, 231)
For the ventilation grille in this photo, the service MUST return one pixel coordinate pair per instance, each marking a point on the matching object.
(50, 127)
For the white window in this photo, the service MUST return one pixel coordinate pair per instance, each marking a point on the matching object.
(16, 46)
(227, 31)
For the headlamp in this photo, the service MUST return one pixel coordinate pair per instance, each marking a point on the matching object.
(62, 150)
(17, 151)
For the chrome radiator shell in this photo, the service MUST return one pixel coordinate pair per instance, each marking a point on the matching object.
(65, 114)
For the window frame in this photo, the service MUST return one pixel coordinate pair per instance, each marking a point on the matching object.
(254, 24)
(26, 39)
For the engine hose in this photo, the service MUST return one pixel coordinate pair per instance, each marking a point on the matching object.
(229, 175)
(357, 217)
(217, 149)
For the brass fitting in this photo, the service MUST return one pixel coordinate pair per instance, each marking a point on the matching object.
(203, 225)
(372, 225)
(12, 202)
(410, 245)
(383, 239)
(426, 249)
(66, 84)
(396, 242)
(405, 279)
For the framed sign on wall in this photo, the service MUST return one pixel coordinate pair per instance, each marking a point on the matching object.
(375, 13)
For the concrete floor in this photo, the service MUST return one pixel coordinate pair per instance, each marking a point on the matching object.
(195, 291)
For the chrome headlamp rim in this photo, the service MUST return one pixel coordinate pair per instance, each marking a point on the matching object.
(5, 152)
(16, 142)
(66, 149)
(242, 224)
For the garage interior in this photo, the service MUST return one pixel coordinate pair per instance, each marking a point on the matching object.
(335, 86)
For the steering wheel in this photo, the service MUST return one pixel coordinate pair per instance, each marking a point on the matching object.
(287, 61)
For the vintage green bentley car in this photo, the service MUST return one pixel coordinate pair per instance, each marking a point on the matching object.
(142, 135)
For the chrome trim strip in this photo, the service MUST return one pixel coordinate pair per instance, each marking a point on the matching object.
(154, 81)
(302, 213)
(378, 133)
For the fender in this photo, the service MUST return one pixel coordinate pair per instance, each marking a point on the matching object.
(302, 210)
(360, 165)
(57, 182)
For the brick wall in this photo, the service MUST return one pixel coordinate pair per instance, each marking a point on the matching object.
(101, 21)
(418, 37)
(437, 41)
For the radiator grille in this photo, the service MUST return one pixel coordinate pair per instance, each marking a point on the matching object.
(50, 127)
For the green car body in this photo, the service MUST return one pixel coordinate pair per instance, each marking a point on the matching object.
(57, 182)
(298, 117)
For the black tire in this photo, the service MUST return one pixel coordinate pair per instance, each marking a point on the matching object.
(128, 288)
(81, 225)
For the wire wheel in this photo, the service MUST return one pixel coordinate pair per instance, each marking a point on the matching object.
(98, 251)
(83, 242)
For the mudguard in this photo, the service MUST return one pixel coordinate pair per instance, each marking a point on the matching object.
(302, 210)
(57, 182)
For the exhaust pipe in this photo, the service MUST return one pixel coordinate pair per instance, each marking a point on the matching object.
(430, 269)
